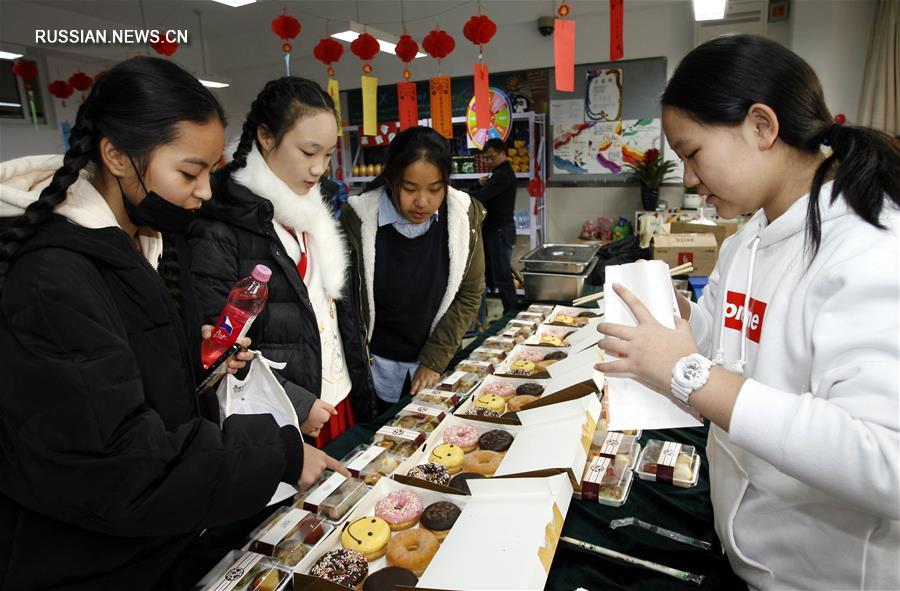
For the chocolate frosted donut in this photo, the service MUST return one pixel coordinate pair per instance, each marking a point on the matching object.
(434, 473)
(587, 315)
(344, 567)
(439, 516)
(530, 389)
(389, 578)
(459, 481)
(555, 355)
(495, 440)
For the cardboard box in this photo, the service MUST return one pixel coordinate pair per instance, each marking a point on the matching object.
(515, 522)
(677, 249)
(721, 230)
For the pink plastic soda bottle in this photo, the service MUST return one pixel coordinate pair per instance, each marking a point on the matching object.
(246, 300)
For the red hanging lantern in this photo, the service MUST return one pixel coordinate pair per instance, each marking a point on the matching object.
(80, 81)
(61, 90)
(328, 51)
(365, 47)
(286, 27)
(164, 47)
(840, 118)
(406, 50)
(438, 44)
(25, 70)
(479, 29)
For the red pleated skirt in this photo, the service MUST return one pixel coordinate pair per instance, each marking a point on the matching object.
(339, 423)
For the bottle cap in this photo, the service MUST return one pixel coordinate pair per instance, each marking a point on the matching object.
(261, 273)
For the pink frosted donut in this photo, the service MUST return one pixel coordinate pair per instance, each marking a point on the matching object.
(502, 389)
(463, 436)
(400, 509)
(531, 355)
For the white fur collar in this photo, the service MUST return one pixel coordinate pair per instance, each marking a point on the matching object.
(304, 213)
(458, 203)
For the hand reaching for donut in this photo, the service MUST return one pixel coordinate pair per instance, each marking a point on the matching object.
(316, 461)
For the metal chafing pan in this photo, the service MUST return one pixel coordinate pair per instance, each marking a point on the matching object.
(560, 258)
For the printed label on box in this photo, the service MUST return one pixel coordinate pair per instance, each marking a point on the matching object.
(237, 571)
(452, 380)
(364, 459)
(665, 465)
(611, 444)
(399, 433)
(312, 502)
(485, 365)
(280, 529)
(424, 410)
(593, 476)
(440, 394)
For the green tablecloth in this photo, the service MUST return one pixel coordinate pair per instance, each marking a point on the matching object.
(687, 511)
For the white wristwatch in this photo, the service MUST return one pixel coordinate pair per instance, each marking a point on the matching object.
(689, 374)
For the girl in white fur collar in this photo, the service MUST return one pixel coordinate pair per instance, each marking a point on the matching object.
(270, 210)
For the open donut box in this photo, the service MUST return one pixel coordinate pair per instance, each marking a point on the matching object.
(513, 521)
(525, 352)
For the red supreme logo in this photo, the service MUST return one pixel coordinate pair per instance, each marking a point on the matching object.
(734, 314)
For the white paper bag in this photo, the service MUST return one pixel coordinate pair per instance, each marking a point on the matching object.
(258, 393)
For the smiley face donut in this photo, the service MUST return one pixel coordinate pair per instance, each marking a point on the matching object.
(367, 535)
(449, 456)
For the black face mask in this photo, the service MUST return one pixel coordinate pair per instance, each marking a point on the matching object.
(155, 212)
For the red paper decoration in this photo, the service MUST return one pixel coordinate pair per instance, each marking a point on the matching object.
(536, 187)
(438, 44)
(164, 47)
(60, 89)
(479, 29)
(563, 10)
(365, 47)
(80, 81)
(406, 49)
(25, 70)
(328, 51)
(286, 27)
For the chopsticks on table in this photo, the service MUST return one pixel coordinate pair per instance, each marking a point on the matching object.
(679, 270)
(660, 568)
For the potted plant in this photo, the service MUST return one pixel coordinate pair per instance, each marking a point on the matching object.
(652, 171)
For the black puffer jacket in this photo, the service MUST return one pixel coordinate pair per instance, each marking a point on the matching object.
(236, 233)
(108, 469)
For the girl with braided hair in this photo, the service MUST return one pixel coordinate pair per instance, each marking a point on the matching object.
(108, 461)
(792, 352)
(269, 209)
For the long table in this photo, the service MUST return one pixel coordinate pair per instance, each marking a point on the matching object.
(687, 511)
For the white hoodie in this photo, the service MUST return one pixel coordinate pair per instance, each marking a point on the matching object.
(23, 179)
(805, 486)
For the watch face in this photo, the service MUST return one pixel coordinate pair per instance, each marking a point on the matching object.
(691, 370)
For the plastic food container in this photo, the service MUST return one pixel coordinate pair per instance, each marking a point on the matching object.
(604, 482)
(437, 398)
(289, 535)
(460, 382)
(333, 497)
(488, 354)
(669, 462)
(418, 417)
(246, 571)
(618, 446)
(479, 368)
(500, 342)
(370, 463)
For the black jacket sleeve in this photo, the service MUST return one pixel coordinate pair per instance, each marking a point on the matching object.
(79, 441)
(215, 265)
(499, 183)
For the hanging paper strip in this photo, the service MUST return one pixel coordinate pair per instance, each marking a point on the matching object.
(408, 103)
(616, 43)
(564, 54)
(482, 97)
(441, 112)
(334, 92)
(370, 105)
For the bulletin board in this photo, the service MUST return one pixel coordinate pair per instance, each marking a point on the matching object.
(610, 119)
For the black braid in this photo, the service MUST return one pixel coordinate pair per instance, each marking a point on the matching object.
(83, 144)
(278, 107)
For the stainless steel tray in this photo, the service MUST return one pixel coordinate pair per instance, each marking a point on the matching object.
(560, 258)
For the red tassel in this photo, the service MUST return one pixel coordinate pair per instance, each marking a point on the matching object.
(616, 43)
(564, 54)
(408, 104)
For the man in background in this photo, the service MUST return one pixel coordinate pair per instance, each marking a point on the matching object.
(497, 192)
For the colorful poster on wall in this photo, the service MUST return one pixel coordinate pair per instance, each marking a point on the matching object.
(603, 95)
(596, 147)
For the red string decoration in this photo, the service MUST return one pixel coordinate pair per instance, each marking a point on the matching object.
(164, 47)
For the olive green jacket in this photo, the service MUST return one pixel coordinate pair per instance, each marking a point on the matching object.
(465, 283)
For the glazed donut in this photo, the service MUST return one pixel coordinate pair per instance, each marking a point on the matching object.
(433, 473)
(412, 549)
(448, 455)
(517, 402)
(482, 462)
(367, 535)
(501, 389)
(464, 437)
(342, 566)
(400, 509)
